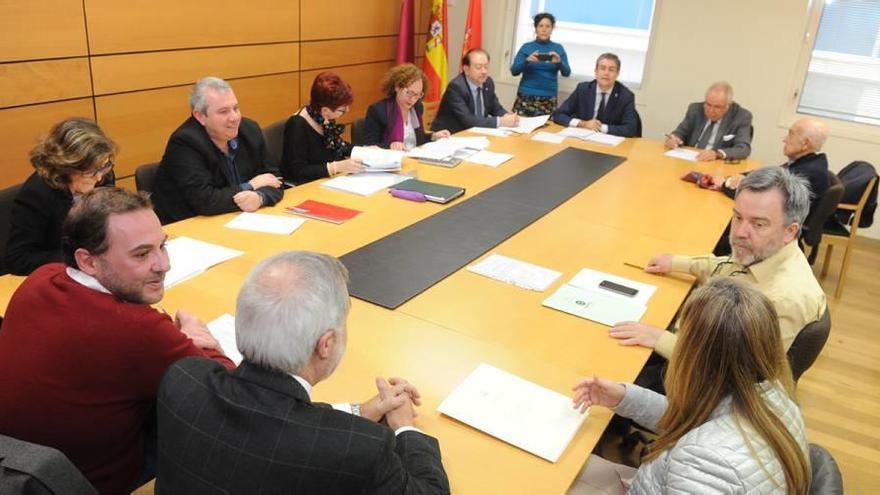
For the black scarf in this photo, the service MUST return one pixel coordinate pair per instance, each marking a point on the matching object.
(332, 134)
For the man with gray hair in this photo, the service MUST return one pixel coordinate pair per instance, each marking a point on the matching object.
(216, 161)
(770, 207)
(257, 429)
(717, 125)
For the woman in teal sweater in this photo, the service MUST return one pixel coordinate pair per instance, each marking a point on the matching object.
(539, 62)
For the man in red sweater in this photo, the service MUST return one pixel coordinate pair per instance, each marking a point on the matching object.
(81, 349)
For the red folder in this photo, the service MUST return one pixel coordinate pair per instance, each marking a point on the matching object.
(323, 211)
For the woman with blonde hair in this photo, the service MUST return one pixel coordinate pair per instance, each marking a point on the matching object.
(395, 122)
(729, 423)
(70, 161)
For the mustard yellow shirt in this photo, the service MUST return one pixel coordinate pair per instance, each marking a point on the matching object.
(785, 278)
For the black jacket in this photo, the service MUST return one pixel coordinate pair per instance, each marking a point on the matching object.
(376, 124)
(456, 112)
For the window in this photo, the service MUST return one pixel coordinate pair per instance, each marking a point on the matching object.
(843, 75)
(588, 28)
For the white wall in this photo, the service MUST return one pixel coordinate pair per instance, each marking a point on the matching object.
(753, 44)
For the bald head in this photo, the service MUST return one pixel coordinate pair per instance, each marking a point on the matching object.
(806, 135)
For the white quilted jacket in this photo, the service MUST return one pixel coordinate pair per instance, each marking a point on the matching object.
(714, 457)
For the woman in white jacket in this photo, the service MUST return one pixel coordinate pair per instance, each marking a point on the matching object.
(729, 423)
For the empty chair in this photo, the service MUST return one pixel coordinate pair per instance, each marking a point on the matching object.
(28, 468)
(837, 234)
(827, 479)
(7, 196)
(274, 135)
(815, 223)
(808, 344)
(357, 132)
(144, 176)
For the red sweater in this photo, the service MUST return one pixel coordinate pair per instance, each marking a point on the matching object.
(79, 371)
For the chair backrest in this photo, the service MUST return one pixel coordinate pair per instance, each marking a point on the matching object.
(28, 468)
(808, 344)
(827, 479)
(7, 197)
(859, 182)
(827, 205)
(638, 124)
(357, 132)
(274, 135)
(145, 177)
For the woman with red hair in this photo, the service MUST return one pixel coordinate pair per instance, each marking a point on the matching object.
(313, 144)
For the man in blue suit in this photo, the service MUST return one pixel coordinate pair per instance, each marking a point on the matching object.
(602, 105)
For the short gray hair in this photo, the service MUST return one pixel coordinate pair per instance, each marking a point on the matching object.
(794, 188)
(287, 302)
(197, 100)
(724, 87)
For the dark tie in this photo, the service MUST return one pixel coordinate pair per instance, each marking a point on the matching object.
(600, 113)
(478, 107)
(703, 140)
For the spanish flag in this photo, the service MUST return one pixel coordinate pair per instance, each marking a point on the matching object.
(435, 63)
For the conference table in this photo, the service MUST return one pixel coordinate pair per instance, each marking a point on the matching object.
(438, 337)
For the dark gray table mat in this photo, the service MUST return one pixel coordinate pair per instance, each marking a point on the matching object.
(392, 270)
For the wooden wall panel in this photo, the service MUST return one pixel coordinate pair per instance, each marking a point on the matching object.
(141, 123)
(39, 29)
(364, 80)
(21, 127)
(318, 54)
(25, 83)
(168, 24)
(119, 73)
(269, 98)
(349, 18)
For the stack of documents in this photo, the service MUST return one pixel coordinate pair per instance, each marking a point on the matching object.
(684, 154)
(377, 159)
(582, 296)
(223, 329)
(489, 158)
(190, 257)
(548, 137)
(457, 147)
(516, 411)
(270, 224)
(515, 272)
(527, 124)
(364, 184)
(592, 136)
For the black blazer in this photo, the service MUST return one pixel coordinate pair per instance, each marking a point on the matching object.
(38, 213)
(456, 112)
(814, 168)
(304, 157)
(376, 124)
(257, 431)
(193, 178)
(620, 109)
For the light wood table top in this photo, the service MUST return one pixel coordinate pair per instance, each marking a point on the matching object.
(638, 209)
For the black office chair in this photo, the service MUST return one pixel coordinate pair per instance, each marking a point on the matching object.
(808, 344)
(7, 197)
(638, 124)
(827, 479)
(814, 225)
(145, 177)
(357, 132)
(28, 468)
(274, 135)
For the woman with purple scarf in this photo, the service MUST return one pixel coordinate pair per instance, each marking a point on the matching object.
(313, 144)
(396, 121)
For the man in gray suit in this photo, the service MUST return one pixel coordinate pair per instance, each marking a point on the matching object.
(718, 125)
(257, 430)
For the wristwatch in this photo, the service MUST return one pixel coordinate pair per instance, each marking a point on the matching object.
(356, 409)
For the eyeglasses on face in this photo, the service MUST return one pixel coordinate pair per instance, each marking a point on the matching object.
(412, 94)
(100, 170)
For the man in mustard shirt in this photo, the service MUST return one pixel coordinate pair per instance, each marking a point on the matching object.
(770, 207)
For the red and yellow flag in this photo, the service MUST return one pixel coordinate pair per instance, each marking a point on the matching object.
(473, 28)
(435, 64)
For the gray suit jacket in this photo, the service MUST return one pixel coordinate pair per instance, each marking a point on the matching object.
(734, 136)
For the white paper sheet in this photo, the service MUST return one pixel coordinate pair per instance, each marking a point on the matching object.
(378, 159)
(684, 154)
(459, 147)
(590, 279)
(489, 158)
(364, 184)
(515, 272)
(269, 224)
(607, 139)
(593, 305)
(190, 257)
(519, 412)
(548, 137)
(528, 124)
(223, 329)
(575, 132)
(490, 131)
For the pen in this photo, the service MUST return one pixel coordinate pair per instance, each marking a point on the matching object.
(632, 265)
(410, 195)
